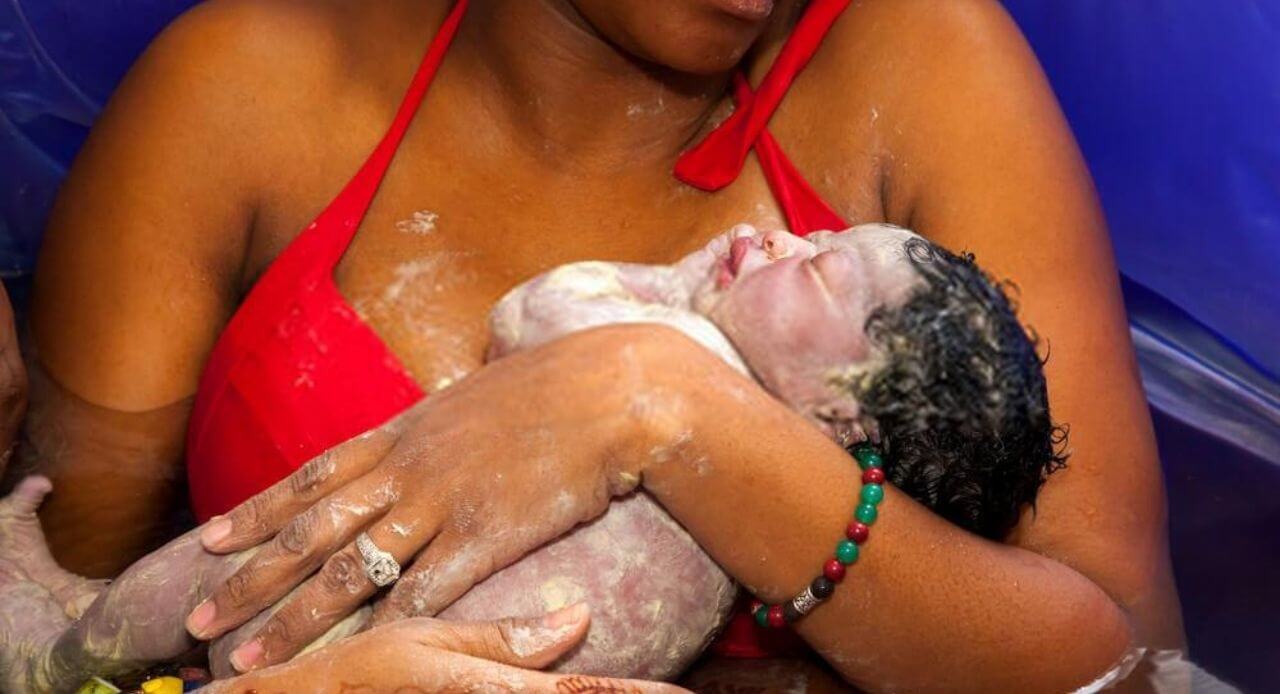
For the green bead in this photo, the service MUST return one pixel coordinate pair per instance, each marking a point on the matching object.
(762, 616)
(846, 552)
(868, 458)
(872, 494)
(866, 513)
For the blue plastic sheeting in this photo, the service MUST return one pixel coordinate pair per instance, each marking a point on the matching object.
(59, 61)
(1176, 104)
(1177, 107)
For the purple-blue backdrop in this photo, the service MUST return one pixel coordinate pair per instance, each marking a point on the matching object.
(1175, 104)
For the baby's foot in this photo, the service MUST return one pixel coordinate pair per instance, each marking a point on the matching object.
(31, 621)
(23, 546)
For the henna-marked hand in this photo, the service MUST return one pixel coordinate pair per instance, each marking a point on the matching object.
(428, 655)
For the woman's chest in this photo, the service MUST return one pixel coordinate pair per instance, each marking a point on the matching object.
(443, 240)
(430, 260)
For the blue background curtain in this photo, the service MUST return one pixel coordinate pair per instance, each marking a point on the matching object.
(1176, 104)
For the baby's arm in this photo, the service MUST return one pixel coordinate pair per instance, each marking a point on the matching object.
(587, 295)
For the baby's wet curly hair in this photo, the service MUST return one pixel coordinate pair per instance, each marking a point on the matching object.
(961, 401)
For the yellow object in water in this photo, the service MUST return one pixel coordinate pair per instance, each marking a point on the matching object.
(163, 685)
(97, 685)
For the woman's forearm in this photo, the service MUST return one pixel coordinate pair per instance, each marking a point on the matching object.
(927, 606)
(116, 475)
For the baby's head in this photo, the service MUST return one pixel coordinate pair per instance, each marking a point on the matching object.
(877, 333)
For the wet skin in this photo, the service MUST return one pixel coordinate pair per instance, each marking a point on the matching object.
(542, 118)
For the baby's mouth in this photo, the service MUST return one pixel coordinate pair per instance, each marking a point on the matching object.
(724, 274)
(731, 265)
(738, 252)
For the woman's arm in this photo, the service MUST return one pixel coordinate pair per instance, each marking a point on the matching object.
(983, 160)
(595, 414)
(139, 270)
(976, 155)
(987, 163)
(927, 606)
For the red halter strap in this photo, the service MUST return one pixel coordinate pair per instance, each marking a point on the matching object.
(804, 208)
(716, 161)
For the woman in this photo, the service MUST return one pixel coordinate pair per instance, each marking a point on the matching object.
(549, 135)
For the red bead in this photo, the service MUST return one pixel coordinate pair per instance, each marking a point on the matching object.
(857, 530)
(776, 619)
(833, 570)
(873, 475)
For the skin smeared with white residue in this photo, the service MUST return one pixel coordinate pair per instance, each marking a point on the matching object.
(412, 299)
(422, 222)
(656, 598)
(131, 624)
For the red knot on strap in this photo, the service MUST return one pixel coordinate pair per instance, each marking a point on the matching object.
(716, 161)
(805, 210)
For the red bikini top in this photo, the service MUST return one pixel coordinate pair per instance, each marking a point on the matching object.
(296, 371)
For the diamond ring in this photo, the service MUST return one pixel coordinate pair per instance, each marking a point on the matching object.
(381, 568)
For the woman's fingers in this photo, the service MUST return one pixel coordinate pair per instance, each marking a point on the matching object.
(340, 587)
(446, 570)
(257, 519)
(302, 546)
(533, 642)
(433, 655)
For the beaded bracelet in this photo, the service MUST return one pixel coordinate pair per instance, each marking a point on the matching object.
(833, 571)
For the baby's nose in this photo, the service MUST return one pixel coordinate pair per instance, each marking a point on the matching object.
(775, 245)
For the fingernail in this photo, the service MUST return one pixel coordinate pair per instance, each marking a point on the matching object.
(246, 656)
(564, 616)
(201, 617)
(215, 531)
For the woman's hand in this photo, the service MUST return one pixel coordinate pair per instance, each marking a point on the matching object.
(478, 475)
(428, 655)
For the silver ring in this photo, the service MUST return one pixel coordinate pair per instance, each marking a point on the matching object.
(381, 568)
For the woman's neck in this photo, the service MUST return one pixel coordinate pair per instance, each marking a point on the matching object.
(563, 92)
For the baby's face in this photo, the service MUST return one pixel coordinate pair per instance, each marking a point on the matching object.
(796, 309)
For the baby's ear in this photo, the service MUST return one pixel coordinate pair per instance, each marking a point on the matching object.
(841, 419)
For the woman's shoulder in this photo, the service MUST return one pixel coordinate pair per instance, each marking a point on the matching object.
(900, 76)
(887, 49)
(168, 180)
(254, 59)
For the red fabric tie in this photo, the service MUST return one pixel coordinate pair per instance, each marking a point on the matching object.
(716, 161)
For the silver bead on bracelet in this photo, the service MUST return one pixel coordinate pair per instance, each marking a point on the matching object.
(805, 602)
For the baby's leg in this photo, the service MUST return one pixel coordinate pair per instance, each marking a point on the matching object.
(135, 622)
(140, 619)
(34, 594)
(656, 598)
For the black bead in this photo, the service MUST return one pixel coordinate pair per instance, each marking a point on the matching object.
(822, 588)
(789, 612)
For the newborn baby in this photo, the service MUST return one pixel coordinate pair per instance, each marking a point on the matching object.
(869, 333)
